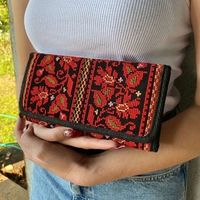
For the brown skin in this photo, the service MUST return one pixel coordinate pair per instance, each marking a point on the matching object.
(179, 142)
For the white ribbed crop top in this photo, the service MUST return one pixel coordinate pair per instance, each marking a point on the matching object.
(155, 31)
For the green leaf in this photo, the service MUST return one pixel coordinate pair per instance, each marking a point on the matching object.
(113, 124)
(55, 108)
(51, 80)
(62, 100)
(99, 100)
(133, 80)
(129, 69)
(48, 58)
(106, 92)
(49, 67)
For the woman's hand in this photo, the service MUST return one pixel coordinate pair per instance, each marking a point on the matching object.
(63, 161)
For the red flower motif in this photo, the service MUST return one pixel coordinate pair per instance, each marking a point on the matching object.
(122, 107)
(39, 95)
(67, 59)
(68, 62)
(134, 112)
(108, 79)
(43, 95)
(126, 108)
(134, 103)
(97, 80)
(106, 76)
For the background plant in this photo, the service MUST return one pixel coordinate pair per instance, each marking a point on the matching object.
(8, 102)
(6, 64)
(4, 19)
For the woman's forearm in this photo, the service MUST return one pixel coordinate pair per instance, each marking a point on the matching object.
(179, 143)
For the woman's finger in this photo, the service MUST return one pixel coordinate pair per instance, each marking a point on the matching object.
(26, 138)
(86, 142)
(55, 134)
(70, 137)
(18, 130)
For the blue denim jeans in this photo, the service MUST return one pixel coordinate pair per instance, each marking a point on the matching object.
(167, 184)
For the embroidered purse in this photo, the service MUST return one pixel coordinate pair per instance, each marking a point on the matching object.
(116, 100)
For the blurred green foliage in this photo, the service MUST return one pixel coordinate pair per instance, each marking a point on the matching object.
(8, 102)
(6, 61)
(4, 17)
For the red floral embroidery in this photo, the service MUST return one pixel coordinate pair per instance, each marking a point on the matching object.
(39, 96)
(102, 94)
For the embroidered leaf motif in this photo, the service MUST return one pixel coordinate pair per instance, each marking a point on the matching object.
(55, 108)
(50, 67)
(113, 124)
(47, 58)
(129, 69)
(106, 92)
(62, 100)
(51, 80)
(133, 80)
(99, 100)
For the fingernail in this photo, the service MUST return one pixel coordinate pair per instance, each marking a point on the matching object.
(72, 133)
(118, 148)
(25, 128)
